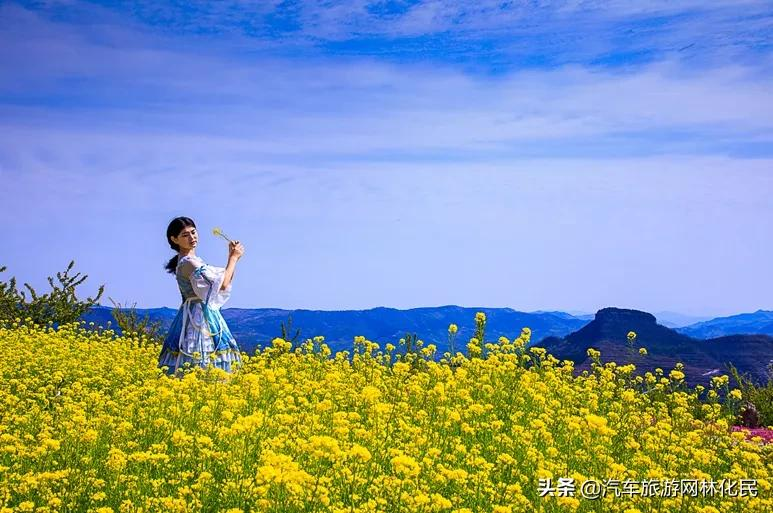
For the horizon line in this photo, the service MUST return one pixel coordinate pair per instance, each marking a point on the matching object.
(577, 313)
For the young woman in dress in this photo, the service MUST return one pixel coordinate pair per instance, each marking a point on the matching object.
(199, 335)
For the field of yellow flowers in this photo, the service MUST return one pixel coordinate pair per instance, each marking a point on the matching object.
(89, 424)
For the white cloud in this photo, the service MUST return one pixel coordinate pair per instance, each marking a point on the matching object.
(271, 108)
(134, 84)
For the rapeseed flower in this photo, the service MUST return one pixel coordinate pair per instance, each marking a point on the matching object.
(90, 423)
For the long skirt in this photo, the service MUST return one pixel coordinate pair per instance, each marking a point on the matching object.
(198, 337)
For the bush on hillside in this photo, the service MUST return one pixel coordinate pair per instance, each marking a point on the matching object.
(131, 324)
(759, 399)
(59, 306)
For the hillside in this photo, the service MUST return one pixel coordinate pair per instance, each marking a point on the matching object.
(701, 358)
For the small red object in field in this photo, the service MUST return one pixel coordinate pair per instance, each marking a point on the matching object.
(764, 433)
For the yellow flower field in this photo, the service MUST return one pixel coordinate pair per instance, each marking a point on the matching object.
(87, 423)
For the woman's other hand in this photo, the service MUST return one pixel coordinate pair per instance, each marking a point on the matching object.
(235, 250)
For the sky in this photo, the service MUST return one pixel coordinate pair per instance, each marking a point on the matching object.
(542, 155)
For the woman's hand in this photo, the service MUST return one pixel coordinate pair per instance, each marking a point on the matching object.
(235, 250)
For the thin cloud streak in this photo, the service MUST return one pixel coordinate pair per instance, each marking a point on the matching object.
(406, 110)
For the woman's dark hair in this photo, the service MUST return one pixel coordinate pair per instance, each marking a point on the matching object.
(177, 225)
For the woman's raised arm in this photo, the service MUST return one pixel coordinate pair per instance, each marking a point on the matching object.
(235, 252)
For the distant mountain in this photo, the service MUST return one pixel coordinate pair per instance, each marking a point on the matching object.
(678, 320)
(258, 326)
(564, 335)
(758, 323)
(567, 315)
(701, 358)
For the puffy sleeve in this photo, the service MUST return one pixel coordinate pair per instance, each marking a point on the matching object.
(206, 281)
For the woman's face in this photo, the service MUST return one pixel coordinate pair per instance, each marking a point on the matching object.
(187, 238)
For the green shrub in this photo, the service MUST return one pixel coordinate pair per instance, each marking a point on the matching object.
(287, 329)
(59, 306)
(132, 325)
(760, 396)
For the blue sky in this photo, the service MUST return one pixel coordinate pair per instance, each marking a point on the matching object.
(534, 155)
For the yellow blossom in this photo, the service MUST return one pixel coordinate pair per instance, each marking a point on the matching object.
(89, 417)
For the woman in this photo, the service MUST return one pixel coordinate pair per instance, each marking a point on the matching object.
(199, 335)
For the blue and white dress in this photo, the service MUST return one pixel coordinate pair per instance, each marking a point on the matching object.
(199, 335)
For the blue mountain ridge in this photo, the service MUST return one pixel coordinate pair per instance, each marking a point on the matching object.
(565, 336)
(256, 327)
(756, 323)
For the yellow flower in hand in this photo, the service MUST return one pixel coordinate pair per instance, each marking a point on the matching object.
(217, 232)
